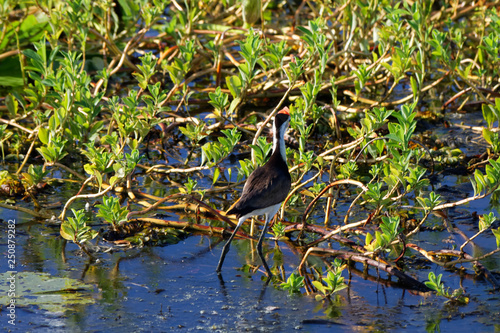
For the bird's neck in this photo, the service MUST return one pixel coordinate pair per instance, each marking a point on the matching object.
(279, 142)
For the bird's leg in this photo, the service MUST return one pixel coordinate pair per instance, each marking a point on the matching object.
(259, 244)
(225, 249)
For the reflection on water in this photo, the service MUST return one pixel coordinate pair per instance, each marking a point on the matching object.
(175, 287)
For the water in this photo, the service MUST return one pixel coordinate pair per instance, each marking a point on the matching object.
(157, 289)
(175, 288)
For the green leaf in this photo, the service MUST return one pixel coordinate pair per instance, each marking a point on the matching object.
(480, 181)
(234, 85)
(130, 8)
(488, 114)
(487, 135)
(431, 285)
(340, 287)
(43, 135)
(216, 175)
(496, 233)
(320, 287)
(394, 137)
(36, 60)
(67, 232)
(414, 86)
(368, 239)
(113, 180)
(234, 104)
(12, 105)
(10, 72)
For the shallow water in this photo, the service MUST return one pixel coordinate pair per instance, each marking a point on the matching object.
(175, 287)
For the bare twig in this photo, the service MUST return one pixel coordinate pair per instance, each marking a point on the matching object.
(335, 183)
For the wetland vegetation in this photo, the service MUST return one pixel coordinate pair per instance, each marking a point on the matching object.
(132, 125)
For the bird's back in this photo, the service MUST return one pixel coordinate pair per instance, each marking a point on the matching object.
(266, 186)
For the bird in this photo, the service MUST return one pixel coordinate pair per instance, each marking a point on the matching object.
(265, 189)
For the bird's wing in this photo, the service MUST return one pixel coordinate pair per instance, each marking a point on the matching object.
(262, 189)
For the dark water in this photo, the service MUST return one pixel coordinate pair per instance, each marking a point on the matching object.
(175, 288)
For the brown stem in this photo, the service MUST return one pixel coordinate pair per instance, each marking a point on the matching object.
(406, 280)
(335, 183)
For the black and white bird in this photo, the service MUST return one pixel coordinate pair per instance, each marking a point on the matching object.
(265, 189)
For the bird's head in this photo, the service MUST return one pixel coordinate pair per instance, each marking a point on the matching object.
(282, 118)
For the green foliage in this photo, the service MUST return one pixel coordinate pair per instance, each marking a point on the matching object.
(194, 132)
(154, 101)
(299, 123)
(401, 60)
(189, 186)
(261, 150)
(100, 159)
(488, 182)
(316, 188)
(146, 70)
(182, 64)
(491, 114)
(400, 133)
(26, 31)
(496, 233)
(276, 53)
(111, 211)
(293, 283)
(332, 283)
(310, 90)
(315, 39)
(245, 169)
(486, 220)
(375, 194)
(250, 50)
(215, 152)
(374, 120)
(441, 47)
(296, 69)
(348, 169)
(109, 164)
(54, 151)
(429, 203)
(251, 11)
(362, 74)
(456, 297)
(131, 161)
(220, 101)
(34, 176)
(435, 283)
(235, 86)
(389, 232)
(76, 230)
(278, 230)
